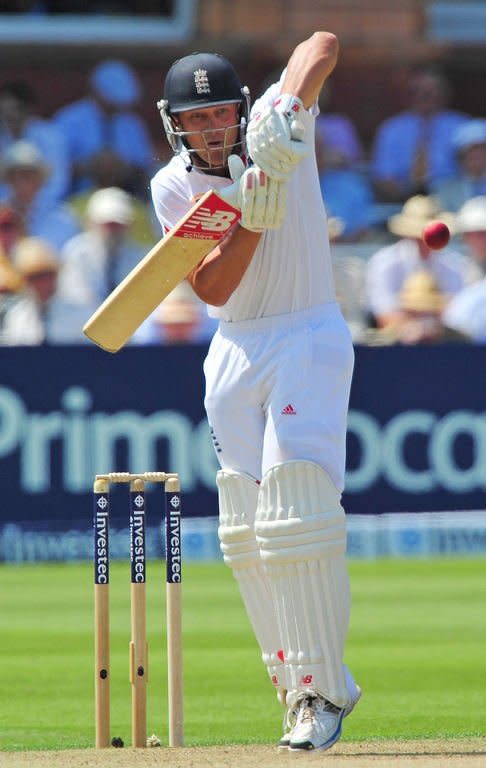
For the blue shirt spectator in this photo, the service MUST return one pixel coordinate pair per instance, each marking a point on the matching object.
(345, 187)
(337, 138)
(470, 180)
(415, 148)
(105, 120)
(18, 122)
(349, 197)
(24, 173)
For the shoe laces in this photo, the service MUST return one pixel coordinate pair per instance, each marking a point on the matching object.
(312, 705)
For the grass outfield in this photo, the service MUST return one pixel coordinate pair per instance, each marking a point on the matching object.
(416, 646)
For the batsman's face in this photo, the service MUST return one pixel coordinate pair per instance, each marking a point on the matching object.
(211, 133)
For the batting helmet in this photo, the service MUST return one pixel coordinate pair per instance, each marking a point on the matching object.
(197, 81)
(201, 80)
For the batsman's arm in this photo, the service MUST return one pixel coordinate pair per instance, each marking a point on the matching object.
(215, 278)
(309, 66)
(275, 136)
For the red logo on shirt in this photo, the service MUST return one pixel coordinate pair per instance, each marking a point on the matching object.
(289, 410)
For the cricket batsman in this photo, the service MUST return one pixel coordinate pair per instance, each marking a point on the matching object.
(278, 370)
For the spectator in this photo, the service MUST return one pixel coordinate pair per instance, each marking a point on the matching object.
(414, 149)
(105, 121)
(467, 310)
(348, 196)
(181, 318)
(11, 284)
(338, 141)
(470, 180)
(109, 172)
(40, 316)
(422, 304)
(18, 122)
(11, 229)
(24, 172)
(97, 259)
(388, 268)
(344, 185)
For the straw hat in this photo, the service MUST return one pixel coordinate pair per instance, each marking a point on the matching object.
(420, 293)
(10, 280)
(33, 256)
(415, 214)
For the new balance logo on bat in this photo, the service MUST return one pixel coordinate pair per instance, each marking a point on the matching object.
(210, 221)
(206, 219)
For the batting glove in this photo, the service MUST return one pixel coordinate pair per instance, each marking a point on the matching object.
(261, 200)
(275, 138)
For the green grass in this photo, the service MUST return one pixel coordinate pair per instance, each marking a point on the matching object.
(416, 646)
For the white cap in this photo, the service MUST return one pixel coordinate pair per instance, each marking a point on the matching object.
(470, 134)
(472, 216)
(110, 205)
(24, 154)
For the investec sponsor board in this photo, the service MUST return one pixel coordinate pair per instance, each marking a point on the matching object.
(89, 442)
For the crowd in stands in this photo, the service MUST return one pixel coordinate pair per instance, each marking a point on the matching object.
(75, 216)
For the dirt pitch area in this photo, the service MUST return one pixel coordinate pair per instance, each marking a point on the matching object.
(470, 753)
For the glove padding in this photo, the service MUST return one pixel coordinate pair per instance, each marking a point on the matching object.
(275, 138)
(262, 200)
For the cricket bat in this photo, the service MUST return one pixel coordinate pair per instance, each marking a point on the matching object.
(158, 273)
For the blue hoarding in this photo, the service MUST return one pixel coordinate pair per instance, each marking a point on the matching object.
(416, 437)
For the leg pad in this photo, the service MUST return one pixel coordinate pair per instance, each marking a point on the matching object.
(300, 528)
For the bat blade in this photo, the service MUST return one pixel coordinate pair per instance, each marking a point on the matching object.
(158, 273)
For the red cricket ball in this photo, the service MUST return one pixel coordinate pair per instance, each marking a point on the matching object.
(436, 235)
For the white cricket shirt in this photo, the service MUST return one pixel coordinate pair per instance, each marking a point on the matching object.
(291, 268)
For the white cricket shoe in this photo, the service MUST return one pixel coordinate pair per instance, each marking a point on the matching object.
(290, 717)
(318, 724)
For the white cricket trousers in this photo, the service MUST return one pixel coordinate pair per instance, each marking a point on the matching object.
(277, 389)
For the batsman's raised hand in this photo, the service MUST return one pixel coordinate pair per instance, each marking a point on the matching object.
(262, 200)
(275, 138)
